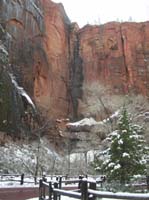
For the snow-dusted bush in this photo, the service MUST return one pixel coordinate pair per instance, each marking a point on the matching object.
(31, 158)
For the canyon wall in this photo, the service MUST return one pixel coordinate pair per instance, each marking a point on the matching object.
(52, 58)
(117, 54)
(38, 51)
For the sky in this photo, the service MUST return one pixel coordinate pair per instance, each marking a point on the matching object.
(102, 11)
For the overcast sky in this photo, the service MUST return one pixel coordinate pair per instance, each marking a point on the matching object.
(101, 11)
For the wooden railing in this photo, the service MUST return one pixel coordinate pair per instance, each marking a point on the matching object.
(119, 195)
(85, 190)
(15, 178)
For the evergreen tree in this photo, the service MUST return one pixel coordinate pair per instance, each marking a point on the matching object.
(127, 153)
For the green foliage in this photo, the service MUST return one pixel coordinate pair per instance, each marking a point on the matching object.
(127, 153)
(96, 164)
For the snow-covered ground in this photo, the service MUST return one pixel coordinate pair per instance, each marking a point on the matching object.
(62, 198)
(69, 198)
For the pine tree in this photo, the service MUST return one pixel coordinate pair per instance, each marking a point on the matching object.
(126, 155)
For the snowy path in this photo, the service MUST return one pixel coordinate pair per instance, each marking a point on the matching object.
(68, 198)
(63, 198)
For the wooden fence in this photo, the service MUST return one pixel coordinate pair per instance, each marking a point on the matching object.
(85, 190)
(15, 178)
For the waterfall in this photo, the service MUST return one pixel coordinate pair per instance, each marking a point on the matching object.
(22, 92)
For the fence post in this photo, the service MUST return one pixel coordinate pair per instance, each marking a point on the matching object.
(84, 190)
(60, 186)
(50, 191)
(40, 189)
(35, 180)
(55, 194)
(22, 179)
(60, 182)
(147, 181)
(44, 178)
(93, 187)
(66, 177)
(43, 186)
(80, 181)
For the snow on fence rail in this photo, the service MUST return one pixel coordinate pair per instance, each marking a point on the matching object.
(86, 190)
(119, 195)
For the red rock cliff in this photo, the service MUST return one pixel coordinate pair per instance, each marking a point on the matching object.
(53, 58)
(51, 75)
(38, 49)
(117, 54)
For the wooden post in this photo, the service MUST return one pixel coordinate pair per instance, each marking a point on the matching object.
(44, 191)
(102, 180)
(50, 191)
(60, 182)
(44, 179)
(60, 186)
(22, 179)
(40, 189)
(93, 187)
(80, 181)
(66, 177)
(147, 181)
(35, 180)
(55, 194)
(84, 190)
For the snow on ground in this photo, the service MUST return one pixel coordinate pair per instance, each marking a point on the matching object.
(62, 198)
(69, 198)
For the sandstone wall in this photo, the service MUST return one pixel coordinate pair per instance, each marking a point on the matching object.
(52, 58)
(117, 54)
